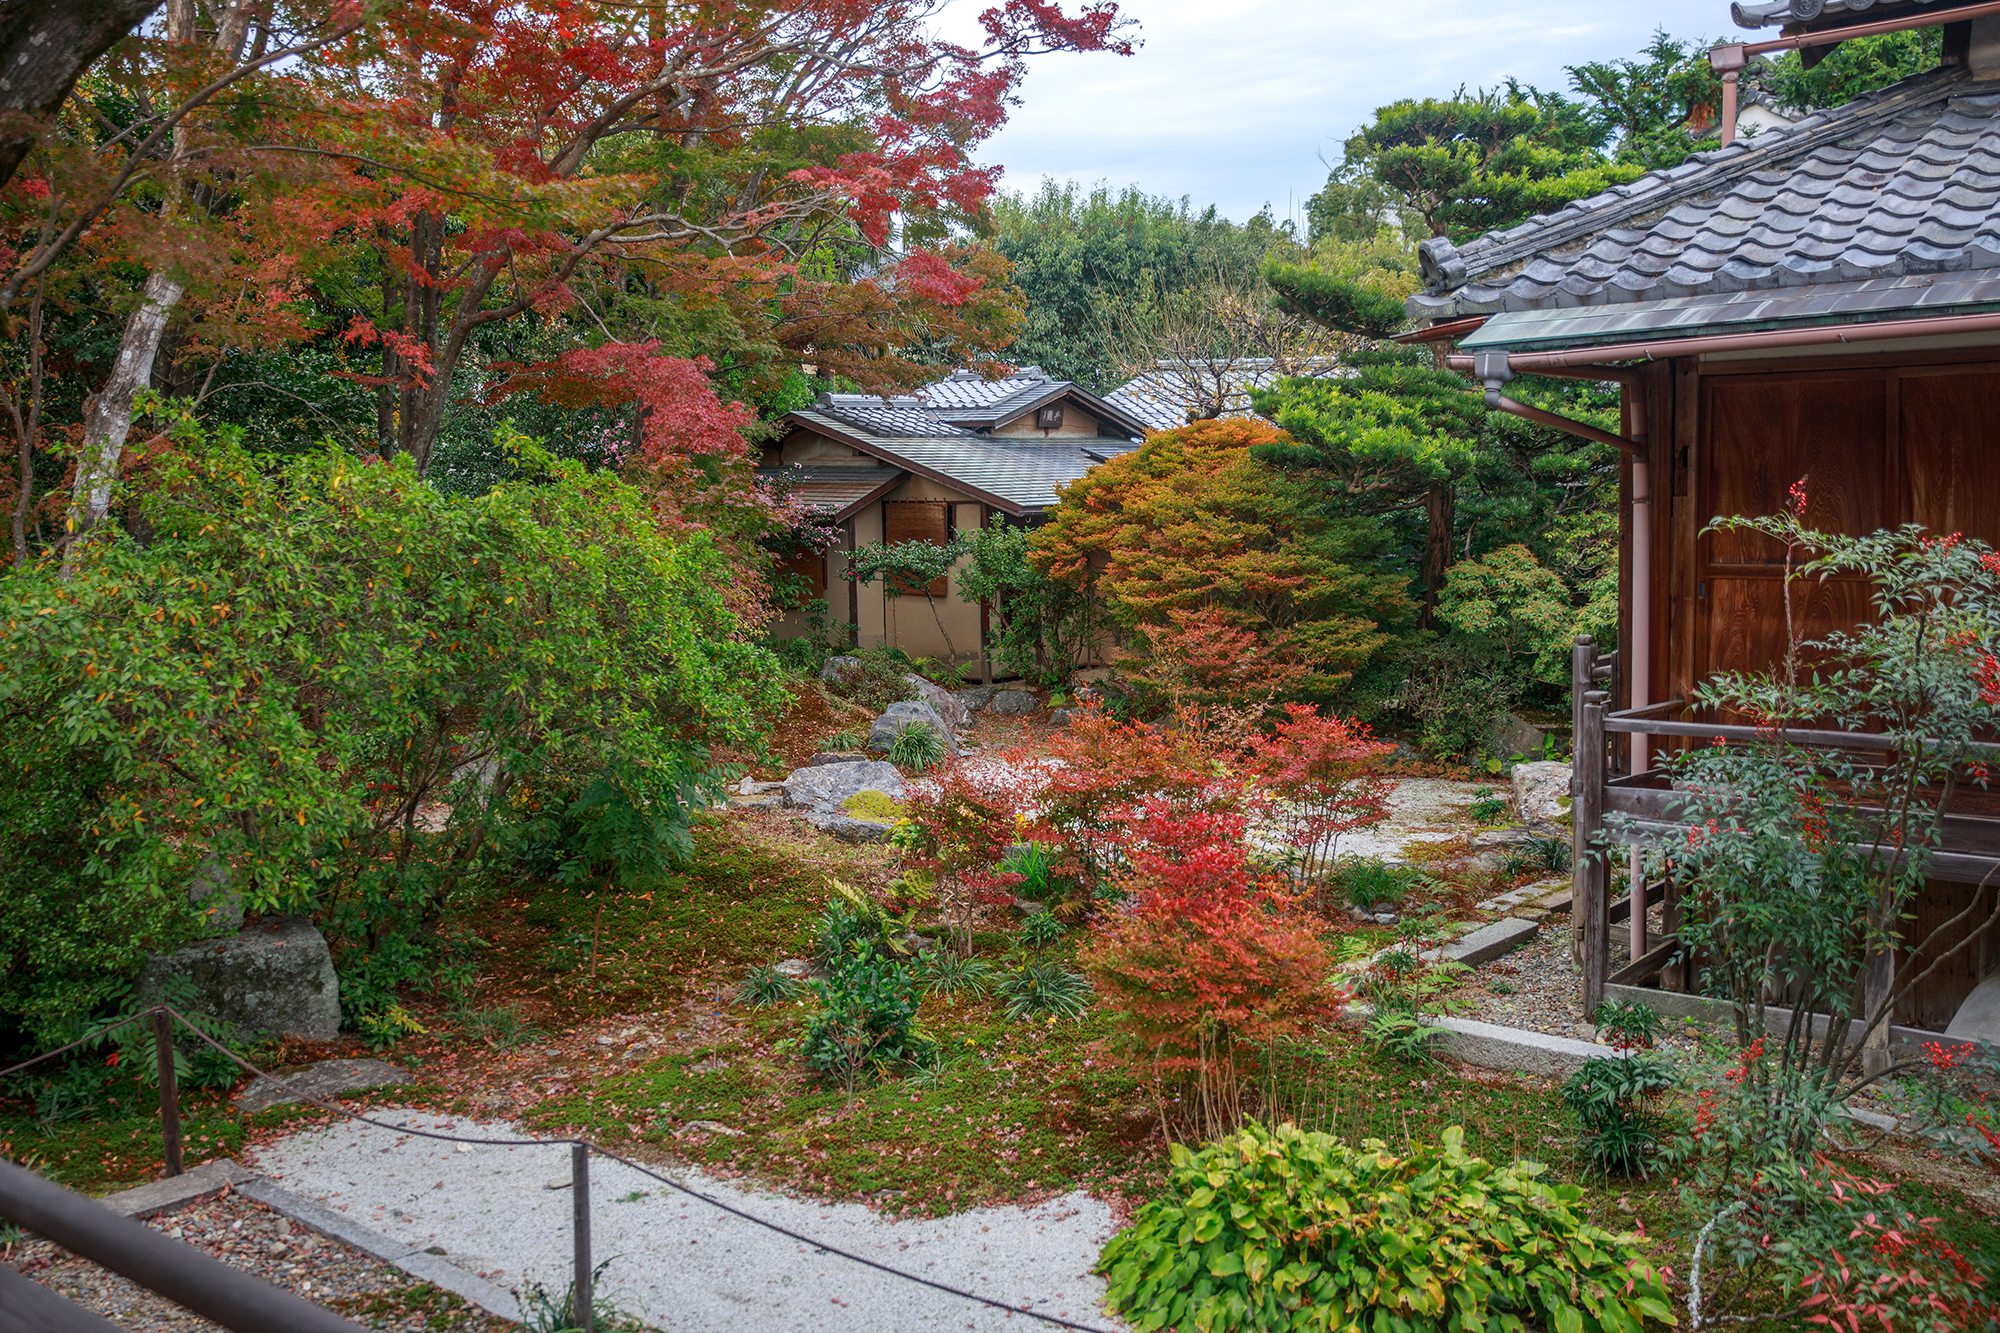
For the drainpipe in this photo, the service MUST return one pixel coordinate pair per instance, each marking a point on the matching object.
(1495, 369)
(1728, 58)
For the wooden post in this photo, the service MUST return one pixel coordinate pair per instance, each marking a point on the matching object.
(1875, 990)
(170, 1096)
(1673, 976)
(1592, 879)
(579, 1176)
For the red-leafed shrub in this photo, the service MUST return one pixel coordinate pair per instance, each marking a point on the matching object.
(958, 824)
(1207, 960)
(1320, 766)
(1100, 769)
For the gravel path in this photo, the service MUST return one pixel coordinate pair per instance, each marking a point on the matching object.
(677, 1263)
(250, 1236)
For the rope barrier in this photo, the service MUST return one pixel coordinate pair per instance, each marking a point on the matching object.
(766, 1223)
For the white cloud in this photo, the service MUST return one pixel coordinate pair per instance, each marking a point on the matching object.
(1235, 102)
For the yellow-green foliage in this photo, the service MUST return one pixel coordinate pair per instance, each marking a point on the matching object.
(874, 806)
(1283, 1229)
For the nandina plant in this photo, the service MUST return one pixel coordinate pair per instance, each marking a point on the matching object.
(1319, 764)
(1208, 960)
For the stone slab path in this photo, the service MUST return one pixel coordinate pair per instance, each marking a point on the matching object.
(677, 1263)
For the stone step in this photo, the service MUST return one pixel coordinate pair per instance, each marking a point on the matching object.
(1497, 940)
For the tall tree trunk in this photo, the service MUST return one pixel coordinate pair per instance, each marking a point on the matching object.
(110, 418)
(44, 46)
(1438, 510)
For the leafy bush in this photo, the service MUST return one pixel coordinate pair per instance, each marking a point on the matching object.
(918, 747)
(1452, 693)
(1041, 930)
(856, 925)
(1284, 1230)
(1615, 1105)
(882, 678)
(866, 1027)
(1320, 764)
(306, 654)
(1209, 959)
(1043, 988)
(1509, 606)
(1486, 807)
(852, 739)
(1629, 1025)
(1364, 882)
(765, 985)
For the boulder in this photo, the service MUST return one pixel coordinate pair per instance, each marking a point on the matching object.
(1513, 734)
(898, 716)
(847, 828)
(835, 757)
(823, 787)
(956, 715)
(1541, 792)
(276, 977)
(975, 698)
(1013, 703)
(842, 670)
(1978, 1018)
(324, 1081)
(1060, 717)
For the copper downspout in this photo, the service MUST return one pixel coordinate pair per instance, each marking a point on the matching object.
(1729, 58)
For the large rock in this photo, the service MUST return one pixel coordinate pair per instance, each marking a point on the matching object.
(824, 787)
(1013, 703)
(1978, 1018)
(1541, 792)
(899, 716)
(324, 1081)
(975, 698)
(842, 670)
(275, 978)
(956, 715)
(1514, 734)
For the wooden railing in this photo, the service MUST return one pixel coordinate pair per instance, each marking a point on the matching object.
(1651, 811)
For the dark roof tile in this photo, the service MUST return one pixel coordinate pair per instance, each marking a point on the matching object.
(1898, 180)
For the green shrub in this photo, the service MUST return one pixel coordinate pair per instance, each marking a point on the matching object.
(1615, 1105)
(1286, 1230)
(1041, 930)
(881, 679)
(918, 746)
(866, 1027)
(1486, 807)
(1365, 882)
(1043, 988)
(850, 739)
(1629, 1025)
(302, 654)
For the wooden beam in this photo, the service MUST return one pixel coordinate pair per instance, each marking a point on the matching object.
(1592, 877)
(1654, 961)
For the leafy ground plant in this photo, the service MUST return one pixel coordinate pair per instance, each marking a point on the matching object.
(866, 1027)
(947, 973)
(765, 985)
(1616, 1105)
(1043, 988)
(1281, 1229)
(918, 747)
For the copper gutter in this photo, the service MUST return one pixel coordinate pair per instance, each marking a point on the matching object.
(1730, 58)
(1534, 363)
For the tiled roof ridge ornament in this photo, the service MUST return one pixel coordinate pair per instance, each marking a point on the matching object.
(1439, 264)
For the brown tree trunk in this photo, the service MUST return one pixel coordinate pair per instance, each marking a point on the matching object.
(44, 46)
(1438, 510)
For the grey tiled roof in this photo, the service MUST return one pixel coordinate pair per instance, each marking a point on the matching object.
(1161, 399)
(965, 389)
(1770, 13)
(832, 487)
(895, 417)
(1020, 475)
(1903, 181)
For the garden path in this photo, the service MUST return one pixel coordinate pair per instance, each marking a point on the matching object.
(680, 1265)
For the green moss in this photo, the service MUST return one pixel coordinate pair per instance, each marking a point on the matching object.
(873, 806)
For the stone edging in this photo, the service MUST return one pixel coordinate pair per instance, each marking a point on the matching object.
(211, 1177)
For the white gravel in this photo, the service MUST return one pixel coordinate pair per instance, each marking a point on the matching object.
(677, 1263)
(1420, 810)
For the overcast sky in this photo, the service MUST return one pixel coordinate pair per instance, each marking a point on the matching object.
(1235, 102)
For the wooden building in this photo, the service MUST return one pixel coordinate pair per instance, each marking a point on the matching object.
(1818, 303)
(962, 453)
